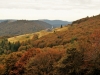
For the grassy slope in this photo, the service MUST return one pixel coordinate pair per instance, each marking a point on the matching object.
(30, 36)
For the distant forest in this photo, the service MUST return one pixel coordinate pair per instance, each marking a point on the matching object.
(18, 27)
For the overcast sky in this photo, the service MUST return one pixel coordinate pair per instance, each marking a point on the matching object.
(48, 9)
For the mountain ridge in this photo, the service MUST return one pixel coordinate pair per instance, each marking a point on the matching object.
(56, 23)
(17, 27)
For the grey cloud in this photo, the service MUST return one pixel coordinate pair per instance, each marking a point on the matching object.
(81, 1)
(49, 4)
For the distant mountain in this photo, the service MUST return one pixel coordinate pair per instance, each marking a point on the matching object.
(2, 21)
(17, 27)
(57, 23)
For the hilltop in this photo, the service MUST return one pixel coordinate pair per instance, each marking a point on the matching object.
(78, 30)
(18, 27)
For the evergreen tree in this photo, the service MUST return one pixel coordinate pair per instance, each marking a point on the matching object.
(61, 26)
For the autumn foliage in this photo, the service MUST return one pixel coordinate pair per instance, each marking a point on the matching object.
(75, 51)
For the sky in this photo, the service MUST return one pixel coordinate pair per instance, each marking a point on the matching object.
(68, 10)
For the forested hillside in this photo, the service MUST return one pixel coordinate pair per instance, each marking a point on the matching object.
(74, 51)
(17, 27)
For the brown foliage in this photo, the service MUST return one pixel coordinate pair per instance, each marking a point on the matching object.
(10, 61)
(20, 64)
(43, 63)
(2, 69)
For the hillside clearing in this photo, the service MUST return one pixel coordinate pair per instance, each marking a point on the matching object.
(25, 37)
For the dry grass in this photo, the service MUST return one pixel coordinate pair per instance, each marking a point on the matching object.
(25, 37)
(61, 29)
(20, 38)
